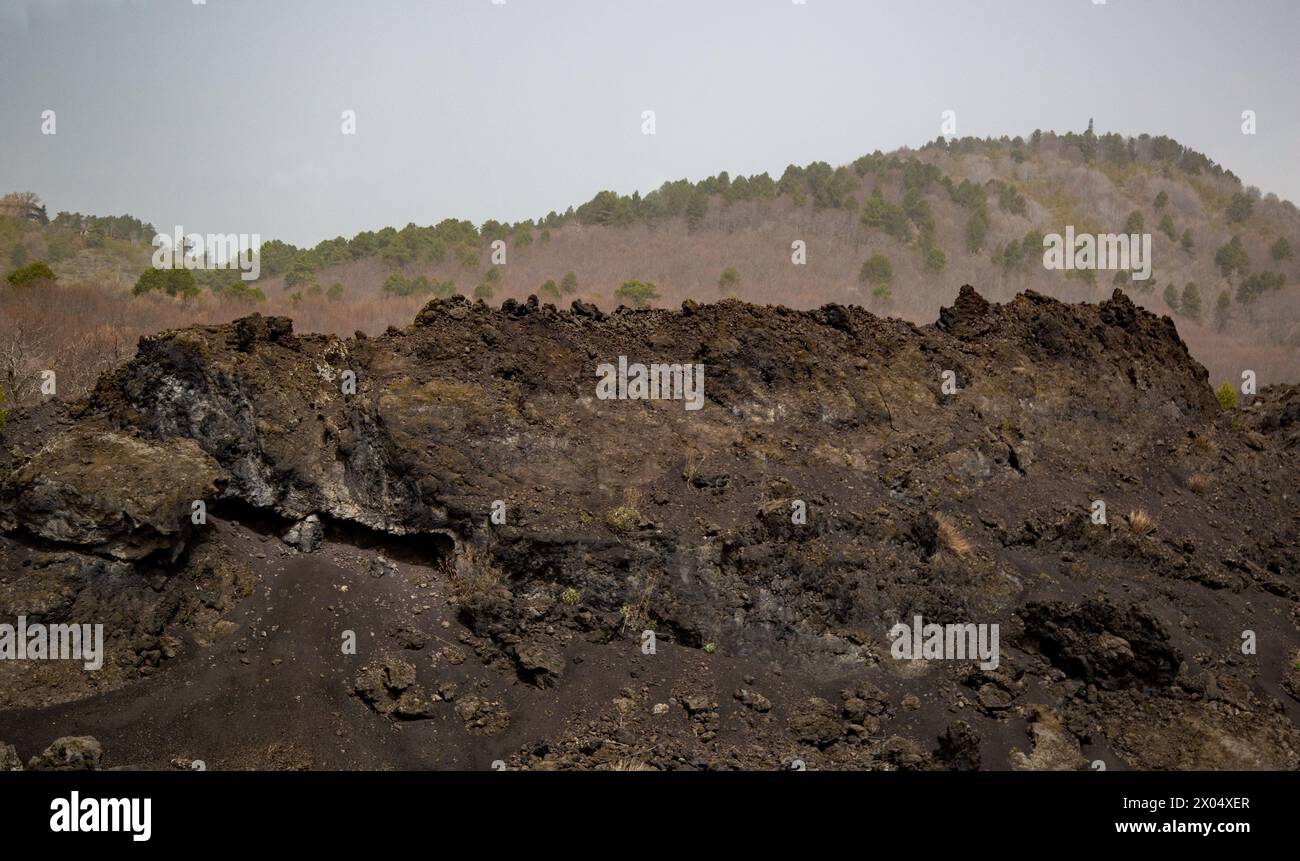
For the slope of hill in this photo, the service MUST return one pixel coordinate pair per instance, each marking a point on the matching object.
(897, 233)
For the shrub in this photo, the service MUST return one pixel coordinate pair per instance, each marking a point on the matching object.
(1167, 228)
(877, 270)
(1134, 223)
(1160, 201)
(241, 291)
(33, 273)
(638, 294)
(173, 282)
(483, 291)
(728, 280)
(569, 283)
(1226, 395)
(1281, 250)
(1140, 522)
(550, 290)
(623, 518)
(1186, 241)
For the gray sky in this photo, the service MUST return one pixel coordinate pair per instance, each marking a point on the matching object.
(225, 117)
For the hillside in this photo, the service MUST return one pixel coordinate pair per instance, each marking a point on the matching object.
(953, 212)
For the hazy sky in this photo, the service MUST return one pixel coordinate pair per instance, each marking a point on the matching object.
(225, 116)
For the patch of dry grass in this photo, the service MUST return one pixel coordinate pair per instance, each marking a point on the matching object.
(950, 537)
(472, 574)
(1140, 523)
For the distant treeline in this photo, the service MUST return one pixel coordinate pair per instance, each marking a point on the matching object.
(826, 187)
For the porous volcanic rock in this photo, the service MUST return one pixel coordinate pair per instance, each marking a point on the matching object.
(583, 557)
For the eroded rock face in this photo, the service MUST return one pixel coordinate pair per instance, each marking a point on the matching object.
(111, 493)
(829, 488)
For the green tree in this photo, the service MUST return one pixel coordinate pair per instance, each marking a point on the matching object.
(1280, 250)
(977, 228)
(173, 282)
(877, 271)
(932, 257)
(1187, 242)
(1191, 301)
(522, 234)
(483, 291)
(1222, 311)
(550, 290)
(299, 275)
(335, 291)
(38, 272)
(1258, 284)
(1160, 201)
(569, 283)
(638, 294)
(696, 209)
(728, 280)
(241, 291)
(1171, 297)
(1134, 223)
(1167, 227)
(1232, 258)
(883, 215)
(1240, 208)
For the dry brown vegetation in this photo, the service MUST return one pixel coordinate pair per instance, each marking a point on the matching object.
(89, 322)
(1140, 523)
(950, 537)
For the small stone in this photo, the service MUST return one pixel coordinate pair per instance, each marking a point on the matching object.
(306, 535)
(9, 760)
(754, 700)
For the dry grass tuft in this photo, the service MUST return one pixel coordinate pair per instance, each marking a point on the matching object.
(1198, 483)
(950, 537)
(630, 765)
(472, 574)
(1140, 522)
